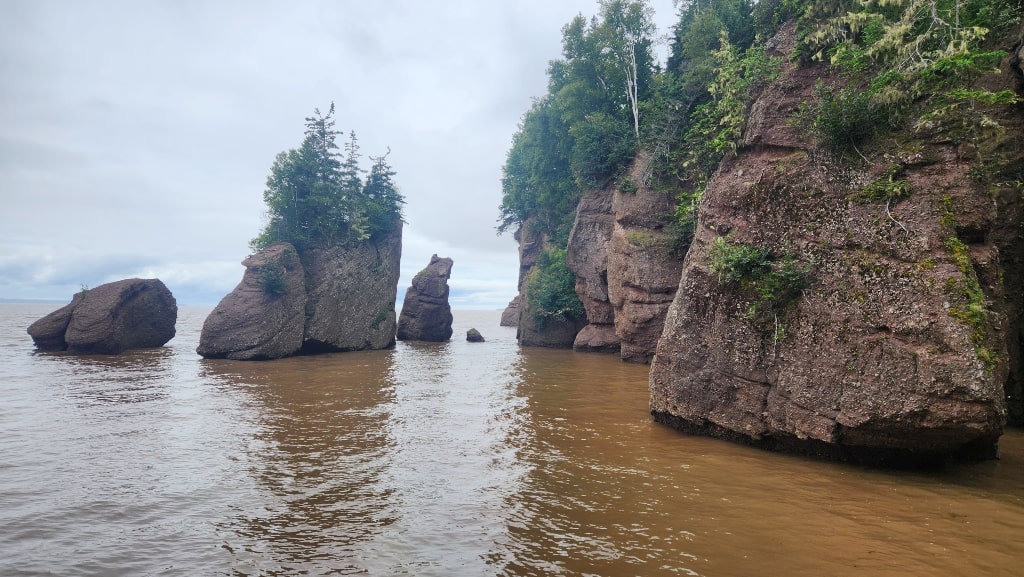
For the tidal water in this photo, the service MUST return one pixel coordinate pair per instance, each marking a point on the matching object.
(453, 459)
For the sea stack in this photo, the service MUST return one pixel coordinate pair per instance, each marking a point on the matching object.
(426, 314)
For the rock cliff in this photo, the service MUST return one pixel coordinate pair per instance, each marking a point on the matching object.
(532, 330)
(626, 273)
(426, 314)
(327, 300)
(109, 319)
(352, 295)
(902, 338)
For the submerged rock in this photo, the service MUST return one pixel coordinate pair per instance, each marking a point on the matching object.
(109, 319)
(264, 316)
(426, 314)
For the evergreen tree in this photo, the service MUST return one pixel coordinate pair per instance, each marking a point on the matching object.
(315, 198)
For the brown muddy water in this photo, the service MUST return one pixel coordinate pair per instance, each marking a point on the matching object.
(446, 459)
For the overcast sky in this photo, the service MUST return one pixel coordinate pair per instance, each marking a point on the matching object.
(136, 136)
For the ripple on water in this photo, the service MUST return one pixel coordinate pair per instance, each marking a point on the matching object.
(440, 459)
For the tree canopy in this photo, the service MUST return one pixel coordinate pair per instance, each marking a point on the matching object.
(316, 196)
(588, 126)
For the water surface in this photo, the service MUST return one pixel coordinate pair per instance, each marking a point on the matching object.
(440, 459)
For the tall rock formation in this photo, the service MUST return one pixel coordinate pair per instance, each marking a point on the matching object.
(426, 314)
(510, 316)
(626, 272)
(900, 339)
(352, 292)
(109, 319)
(587, 256)
(327, 300)
(264, 316)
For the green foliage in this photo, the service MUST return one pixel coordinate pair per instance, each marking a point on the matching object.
(537, 180)
(551, 290)
(585, 131)
(272, 279)
(912, 52)
(316, 198)
(771, 283)
(839, 117)
(969, 305)
(888, 187)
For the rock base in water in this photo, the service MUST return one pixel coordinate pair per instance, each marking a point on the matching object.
(426, 314)
(109, 319)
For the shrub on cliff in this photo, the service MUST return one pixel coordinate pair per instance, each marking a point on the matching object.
(551, 289)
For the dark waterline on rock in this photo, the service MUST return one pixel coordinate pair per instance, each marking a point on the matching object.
(440, 459)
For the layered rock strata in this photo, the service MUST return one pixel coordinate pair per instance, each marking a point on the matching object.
(426, 314)
(626, 271)
(109, 319)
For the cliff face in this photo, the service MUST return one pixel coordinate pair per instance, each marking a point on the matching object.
(904, 338)
(352, 292)
(626, 274)
(530, 330)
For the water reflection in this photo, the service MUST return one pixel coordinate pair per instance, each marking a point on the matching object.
(318, 452)
(136, 376)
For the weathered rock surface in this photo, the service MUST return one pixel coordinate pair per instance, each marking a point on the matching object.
(626, 272)
(109, 319)
(587, 257)
(264, 316)
(871, 363)
(474, 336)
(352, 294)
(643, 271)
(327, 300)
(426, 314)
(510, 316)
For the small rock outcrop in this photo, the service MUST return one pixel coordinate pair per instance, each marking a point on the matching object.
(534, 329)
(426, 314)
(109, 319)
(474, 336)
(264, 317)
(510, 316)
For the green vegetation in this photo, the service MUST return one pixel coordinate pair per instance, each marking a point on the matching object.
(896, 65)
(272, 279)
(904, 56)
(770, 283)
(316, 197)
(551, 289)
(888, 188)
(969, 304)
(587, 128)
